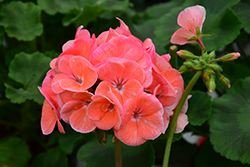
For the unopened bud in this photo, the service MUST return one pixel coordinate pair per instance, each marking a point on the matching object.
(209, 70)
(211, 86)
(205, 76)
(188, 64)
(187, 55)
(183, 69)
(216, 67)
(198, 67)
(211, 55)
(230, 56)
(196, 62)
(205, 57)
(223, 80)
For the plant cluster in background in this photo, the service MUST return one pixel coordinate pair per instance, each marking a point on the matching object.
(32, 33)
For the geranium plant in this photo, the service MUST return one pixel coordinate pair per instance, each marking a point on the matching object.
(115, 95)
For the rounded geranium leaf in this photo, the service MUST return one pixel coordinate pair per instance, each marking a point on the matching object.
(206, 154)
(229, 122)
(27, 69)
(53, 6)
(199, 108)
(14, 152)
(21, 20)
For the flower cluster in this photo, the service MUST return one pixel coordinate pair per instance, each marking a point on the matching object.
(114, 81)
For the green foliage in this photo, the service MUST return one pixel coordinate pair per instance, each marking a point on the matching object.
(28, 70)
(52, 157)
(229, 125)
(14, 152)
(198, 114)
(21, 20)
(242, 10)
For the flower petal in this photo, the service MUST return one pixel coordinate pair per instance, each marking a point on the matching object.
(192, 17)
(68, 108)
(181, 36)
(80, 121)
(129, 134)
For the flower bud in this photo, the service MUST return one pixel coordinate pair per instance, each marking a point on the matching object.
(211, 55)
(211, 84)
(187, 55)
(230, 56)
(205, 57)
(183, 69)
(216, 67)
(223, 80)
(198, 67)
(188, 64)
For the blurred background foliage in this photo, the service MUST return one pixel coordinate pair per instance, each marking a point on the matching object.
(32, 33)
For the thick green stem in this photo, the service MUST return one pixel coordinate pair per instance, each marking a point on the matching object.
(118, 153)
(176, 115)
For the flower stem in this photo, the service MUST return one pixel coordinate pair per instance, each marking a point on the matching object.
(176, 115)
(118, 153)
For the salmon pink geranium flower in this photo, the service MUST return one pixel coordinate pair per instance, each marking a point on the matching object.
(142, 120)
(115, 83)
(191, 21)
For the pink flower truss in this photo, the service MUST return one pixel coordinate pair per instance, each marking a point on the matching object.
(114, 81)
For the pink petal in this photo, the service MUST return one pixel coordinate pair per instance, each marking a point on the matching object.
(80, 121)
(182, 122)
(147, 104)
(150, 126)
(81, 47)
(192, 17)
(103, 52)
(174, 78)
(56, 87)
(181, 36)
(102, 38)
(68, 108)
(129, 134)
(98, 108)
(82, 33)
(130, 89)
(128, 111)
(130, 50)
(49, 119)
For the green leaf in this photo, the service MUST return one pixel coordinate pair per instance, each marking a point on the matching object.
(163, 30)
(206, 154)
(242, 10)
(28, 70)
(53, 157)
(229, 122)
(69, 141)
(199, 108)
(14, 152)
(21, 20)
(160, 9)
(86, 15)
(223, 28)
(95, 154)
(1, 35)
